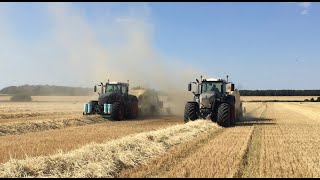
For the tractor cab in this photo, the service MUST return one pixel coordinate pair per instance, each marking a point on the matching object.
(214, 99)
(113, 87)
(212, 86)
(116, 87)
(219, 86)
(113, 102)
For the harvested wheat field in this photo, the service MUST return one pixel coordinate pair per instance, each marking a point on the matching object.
(282, 98)
(5, 98)
(23, 117)
(50, 139)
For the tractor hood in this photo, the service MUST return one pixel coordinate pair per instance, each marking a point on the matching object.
(207, 98)
(109, 98)
(207, 95)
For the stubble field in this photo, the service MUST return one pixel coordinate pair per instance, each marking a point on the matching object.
(54, 139)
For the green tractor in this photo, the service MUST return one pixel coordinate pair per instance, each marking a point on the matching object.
(114, 102)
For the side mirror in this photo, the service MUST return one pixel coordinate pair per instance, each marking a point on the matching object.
(95, 88)
(189, 87)
(232, 87)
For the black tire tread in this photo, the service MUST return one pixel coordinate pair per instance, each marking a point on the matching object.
(190, 112)
(224, 115)
(133, 115)
(115, 111)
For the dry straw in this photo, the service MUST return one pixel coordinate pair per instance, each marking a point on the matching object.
(25, 127)
(107, 159)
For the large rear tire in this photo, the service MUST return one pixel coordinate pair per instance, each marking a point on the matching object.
(134, 110)
(190, 112)
(117, 112)
(224, 115)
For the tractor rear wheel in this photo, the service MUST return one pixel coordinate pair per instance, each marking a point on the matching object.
(224, 115)
(190, 112)
(117, 112)
(134, 110)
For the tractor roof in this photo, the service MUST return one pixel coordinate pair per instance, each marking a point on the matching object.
(117, 83)
(214, 79)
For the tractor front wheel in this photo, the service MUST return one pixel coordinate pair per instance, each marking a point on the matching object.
(224, 115)
(191, 111)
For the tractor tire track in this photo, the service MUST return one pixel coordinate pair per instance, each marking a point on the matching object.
(174, 156)
(215, 155)
(250, 166)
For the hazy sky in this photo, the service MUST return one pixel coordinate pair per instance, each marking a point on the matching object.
(259, 45)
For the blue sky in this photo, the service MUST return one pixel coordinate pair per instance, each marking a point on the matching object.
(259, 45)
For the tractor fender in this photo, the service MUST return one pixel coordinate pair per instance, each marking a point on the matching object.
(193, 102)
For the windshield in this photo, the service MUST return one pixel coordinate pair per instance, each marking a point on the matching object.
(117, 88)
(211, 87)
(113, 88)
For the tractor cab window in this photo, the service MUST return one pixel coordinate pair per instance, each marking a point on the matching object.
(124, 89)
(113, 88)
(211, 87)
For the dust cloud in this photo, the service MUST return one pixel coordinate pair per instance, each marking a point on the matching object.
(133, 56)
(79, 50)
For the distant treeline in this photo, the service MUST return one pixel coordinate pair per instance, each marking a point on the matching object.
(306, 100)
(50, 90)
(47, 90)
(279, 92)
